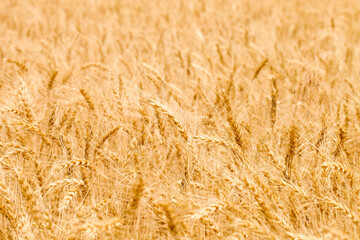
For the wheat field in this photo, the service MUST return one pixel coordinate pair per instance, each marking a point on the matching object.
(179, 119)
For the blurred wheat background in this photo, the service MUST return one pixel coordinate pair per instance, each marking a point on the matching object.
(179, 119)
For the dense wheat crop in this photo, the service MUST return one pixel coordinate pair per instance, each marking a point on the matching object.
(179, 119)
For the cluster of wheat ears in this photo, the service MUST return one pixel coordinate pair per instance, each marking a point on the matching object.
(179, 119)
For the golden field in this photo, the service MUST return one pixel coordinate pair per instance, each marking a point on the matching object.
(179, 119)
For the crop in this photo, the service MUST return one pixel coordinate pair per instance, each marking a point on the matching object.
(179, 119)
